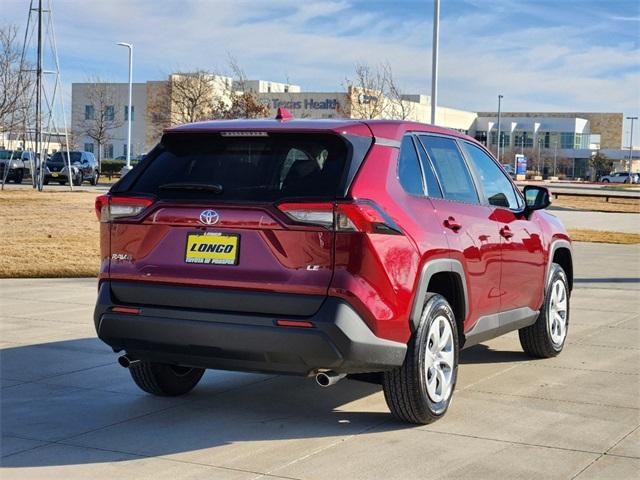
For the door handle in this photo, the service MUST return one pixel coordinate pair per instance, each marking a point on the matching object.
(506, 232)
(452, 224)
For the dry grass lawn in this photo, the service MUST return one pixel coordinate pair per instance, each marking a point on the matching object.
(55, 234)
(48, 234)
(597, 204)
(598, 236)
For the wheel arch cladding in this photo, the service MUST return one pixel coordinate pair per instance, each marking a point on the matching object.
(447, 278)
(561, 254)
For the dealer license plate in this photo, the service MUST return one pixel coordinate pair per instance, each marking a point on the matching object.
(212, 248)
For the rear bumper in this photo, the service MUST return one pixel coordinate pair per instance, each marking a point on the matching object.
(340, 340)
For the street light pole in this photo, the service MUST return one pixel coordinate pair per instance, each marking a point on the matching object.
(539, 159)
(434, 60)
(129, 107)
(555, 159)
(631, 144)
(499, 140)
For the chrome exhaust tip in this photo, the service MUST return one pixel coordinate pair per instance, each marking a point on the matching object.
(326, 379)
(125, 361)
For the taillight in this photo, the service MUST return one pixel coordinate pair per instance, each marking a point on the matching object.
(111, 208)
(358, 216)
(364, 216)
(312, 213)
(101, 202)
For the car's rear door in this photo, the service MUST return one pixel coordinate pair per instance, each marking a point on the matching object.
(227, 211)
(522, 253)
(469, 229)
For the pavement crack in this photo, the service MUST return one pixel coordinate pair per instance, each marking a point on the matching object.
(535, 397)
(510, 442)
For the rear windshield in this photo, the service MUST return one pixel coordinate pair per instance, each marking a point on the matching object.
(61, 157)
(231, 167)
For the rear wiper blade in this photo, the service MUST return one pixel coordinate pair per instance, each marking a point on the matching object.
(208, 187)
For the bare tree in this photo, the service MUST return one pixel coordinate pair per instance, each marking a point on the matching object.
(185, 98)
(239, 101)
(398, 108)
(158, 109)
(201, 95)
(195, 96)
(365, 93)
(101, 118)
(16, 81)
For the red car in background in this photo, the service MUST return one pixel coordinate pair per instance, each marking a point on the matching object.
(326, 248)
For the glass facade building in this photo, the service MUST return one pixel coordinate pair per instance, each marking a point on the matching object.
(563, 140)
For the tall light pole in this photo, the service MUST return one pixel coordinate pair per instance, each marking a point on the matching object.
(555, 159)
(129, 107)
(499, 142)
(434, 60)
(631, 144)
(539, 159)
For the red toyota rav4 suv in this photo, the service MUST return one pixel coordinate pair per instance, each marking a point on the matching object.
(325, 248)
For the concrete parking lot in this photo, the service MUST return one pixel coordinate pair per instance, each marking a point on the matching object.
(69, 411)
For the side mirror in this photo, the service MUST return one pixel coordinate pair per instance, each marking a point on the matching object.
(536, 198)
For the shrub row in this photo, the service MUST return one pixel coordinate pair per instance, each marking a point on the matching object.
(110, 168)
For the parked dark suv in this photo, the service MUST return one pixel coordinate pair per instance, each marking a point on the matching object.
(326, 248)
(84, 168)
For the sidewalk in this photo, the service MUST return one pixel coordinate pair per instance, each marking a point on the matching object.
(604, 221)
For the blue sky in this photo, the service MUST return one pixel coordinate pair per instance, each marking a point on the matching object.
(574, 55)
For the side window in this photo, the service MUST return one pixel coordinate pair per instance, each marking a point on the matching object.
(409, 172)
(433, 188)
(497, 187)
(451, 169)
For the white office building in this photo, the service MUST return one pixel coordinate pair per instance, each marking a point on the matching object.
(572, 137)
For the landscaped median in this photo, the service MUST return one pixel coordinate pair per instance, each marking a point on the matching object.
(55, 234)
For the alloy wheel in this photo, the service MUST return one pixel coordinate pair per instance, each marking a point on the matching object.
(439, 360)
(557, 314)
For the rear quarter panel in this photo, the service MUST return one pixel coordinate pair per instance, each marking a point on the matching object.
(378, 273)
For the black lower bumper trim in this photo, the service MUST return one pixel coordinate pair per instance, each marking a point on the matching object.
(340, 341)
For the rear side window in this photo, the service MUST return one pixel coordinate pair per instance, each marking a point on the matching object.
(498, 189)
(264, 168)
(409, 172)
(451, 169)
(433, 189)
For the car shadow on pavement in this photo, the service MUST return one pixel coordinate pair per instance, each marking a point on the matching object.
(91, 404)
(484, 354)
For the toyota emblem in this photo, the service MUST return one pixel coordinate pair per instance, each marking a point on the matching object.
(209, 217)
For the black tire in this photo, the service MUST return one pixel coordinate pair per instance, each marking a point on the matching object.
(405, 387)
(19, 176)
(536, 339)
(164, 380)
(45, 182)
(62, 182)
(94, 178)
(77, 180)
(605, 180)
